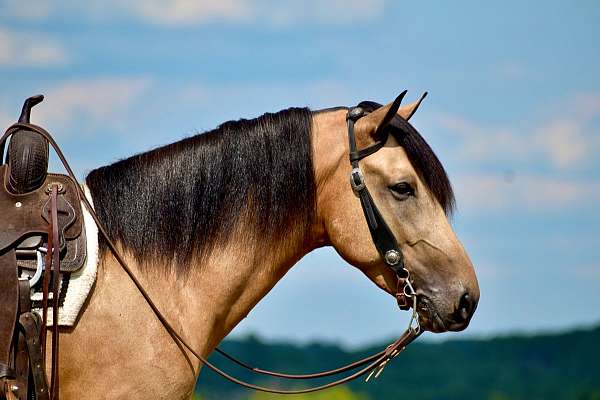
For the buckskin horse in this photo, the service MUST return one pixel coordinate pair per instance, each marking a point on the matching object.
(209, 224)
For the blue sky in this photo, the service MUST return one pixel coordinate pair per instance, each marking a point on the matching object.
(513, 113)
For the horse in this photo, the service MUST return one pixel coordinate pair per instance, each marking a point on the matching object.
(209, 224)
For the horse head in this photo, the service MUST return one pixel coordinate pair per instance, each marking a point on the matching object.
(411, 191)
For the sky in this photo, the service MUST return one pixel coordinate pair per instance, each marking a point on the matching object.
(513, 113)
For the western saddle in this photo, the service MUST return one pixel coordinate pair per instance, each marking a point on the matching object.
(42, 240)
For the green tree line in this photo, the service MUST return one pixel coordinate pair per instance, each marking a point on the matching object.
(545, 366)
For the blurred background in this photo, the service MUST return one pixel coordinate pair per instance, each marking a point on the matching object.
(513, 114)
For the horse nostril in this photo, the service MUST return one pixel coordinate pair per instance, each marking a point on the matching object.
(466, 306)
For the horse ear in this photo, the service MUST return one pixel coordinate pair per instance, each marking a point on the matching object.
(409, 110)
(375, 122)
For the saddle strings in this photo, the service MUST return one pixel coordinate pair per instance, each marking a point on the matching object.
(377, 361)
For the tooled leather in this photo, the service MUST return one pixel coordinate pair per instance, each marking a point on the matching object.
(27, 219)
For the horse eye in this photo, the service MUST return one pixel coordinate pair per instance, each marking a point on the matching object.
(402, 190)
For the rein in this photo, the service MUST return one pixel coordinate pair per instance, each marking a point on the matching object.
(382, 237)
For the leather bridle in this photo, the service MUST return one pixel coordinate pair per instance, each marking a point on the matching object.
(381, 234)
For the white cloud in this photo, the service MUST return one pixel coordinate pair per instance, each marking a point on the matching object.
(477, 142)
(26, 49)
(332, 12)
(196, 12)
(563, 139)
(259, 97)
(82, 105)
(525, 193)
(186, 12)
(568, 137)
(564, 143)
(17, 9)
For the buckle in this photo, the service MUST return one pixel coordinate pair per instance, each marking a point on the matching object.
(357, 180)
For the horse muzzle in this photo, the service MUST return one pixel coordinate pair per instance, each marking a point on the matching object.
(434, 317)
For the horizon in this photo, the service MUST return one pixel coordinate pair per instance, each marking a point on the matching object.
(426, 337)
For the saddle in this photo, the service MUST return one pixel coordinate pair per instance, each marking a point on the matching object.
(41, 237)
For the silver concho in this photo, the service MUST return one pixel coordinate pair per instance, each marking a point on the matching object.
(392, 257)
(357, 180)
(356, 113)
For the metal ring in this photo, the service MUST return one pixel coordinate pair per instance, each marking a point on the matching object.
(411, 292)
(414, 318)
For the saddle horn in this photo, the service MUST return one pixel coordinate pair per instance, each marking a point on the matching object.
(27, 155)
(27, 106)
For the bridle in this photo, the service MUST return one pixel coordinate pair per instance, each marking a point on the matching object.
(381, 234)
(382, 237)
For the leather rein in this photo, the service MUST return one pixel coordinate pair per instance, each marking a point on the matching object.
(382, 237)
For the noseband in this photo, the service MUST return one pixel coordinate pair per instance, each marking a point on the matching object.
(382, 236)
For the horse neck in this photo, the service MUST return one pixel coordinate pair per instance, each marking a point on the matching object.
(204, 306)
(242, 272)
(222, 288)
(236, 278)
(330, 151)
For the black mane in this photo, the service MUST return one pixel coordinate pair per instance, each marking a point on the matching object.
(180, 200)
